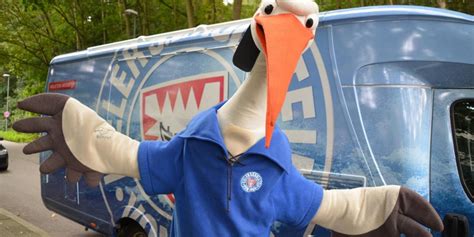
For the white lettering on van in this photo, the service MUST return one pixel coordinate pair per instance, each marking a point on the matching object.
(301, 136)
(133, 57)
(302, 162)
(301, 70)
(115, 110)
(139, 213)
(118, 81)
(123, 82)
(156, 49)
(303, 95)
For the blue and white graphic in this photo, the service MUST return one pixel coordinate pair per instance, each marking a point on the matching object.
(251, 182)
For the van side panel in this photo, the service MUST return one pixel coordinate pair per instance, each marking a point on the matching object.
(358, 111)
(77, 201)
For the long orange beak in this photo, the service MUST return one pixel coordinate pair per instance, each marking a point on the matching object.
(283, 39)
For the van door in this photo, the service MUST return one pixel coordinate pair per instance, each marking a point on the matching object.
(452, 160)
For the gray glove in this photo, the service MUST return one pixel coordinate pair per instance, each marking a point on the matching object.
(52, 105)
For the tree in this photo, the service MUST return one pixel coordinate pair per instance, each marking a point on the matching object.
(237, 9)
(441, 3)
(32, 32)
(190, 13)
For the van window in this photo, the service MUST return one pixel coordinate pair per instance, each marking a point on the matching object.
(463, 127)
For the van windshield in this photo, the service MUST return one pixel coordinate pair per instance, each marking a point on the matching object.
(463, 128)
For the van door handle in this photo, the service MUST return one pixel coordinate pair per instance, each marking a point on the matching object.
(455, 225)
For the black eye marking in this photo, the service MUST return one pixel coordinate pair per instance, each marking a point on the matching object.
(309, 23)
(268, 9)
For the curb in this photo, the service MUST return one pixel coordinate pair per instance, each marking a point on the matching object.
(24, 223)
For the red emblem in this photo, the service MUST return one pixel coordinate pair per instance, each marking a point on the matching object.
(251, 182)
(166, 108)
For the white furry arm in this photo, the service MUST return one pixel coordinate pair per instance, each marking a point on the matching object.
(356, 211)
(96, 144)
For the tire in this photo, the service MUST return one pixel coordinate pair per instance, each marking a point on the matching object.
(4, 168)
(131, 229)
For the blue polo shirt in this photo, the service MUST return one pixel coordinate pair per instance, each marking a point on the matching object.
(216, 197)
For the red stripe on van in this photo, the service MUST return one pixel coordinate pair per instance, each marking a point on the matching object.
(62, 85)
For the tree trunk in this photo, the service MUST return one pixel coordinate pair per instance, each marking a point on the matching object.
(51, 32)
(190, 13)
(81, 20)
(122, 7)
(175, 15)
(237, 9)
(146, 23)
(441, 3)
(74, 17)
(214, 10)
(102, 18)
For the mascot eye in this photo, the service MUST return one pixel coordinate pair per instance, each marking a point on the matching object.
(268, 9)
(309, 23)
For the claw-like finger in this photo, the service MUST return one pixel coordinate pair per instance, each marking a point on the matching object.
(53, 163)
(45, 103)
(73, 176)
(43, 143)
(93, 178)
(411, 228)
(417, 208)
(34, 125)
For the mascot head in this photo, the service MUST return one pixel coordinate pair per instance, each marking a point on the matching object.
(281, 30)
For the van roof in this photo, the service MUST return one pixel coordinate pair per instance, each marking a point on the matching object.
(398, 11)
(239, 26)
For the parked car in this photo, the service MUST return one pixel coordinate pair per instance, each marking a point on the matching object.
(3, 157)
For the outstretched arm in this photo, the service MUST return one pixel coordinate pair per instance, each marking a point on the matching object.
(81, 141)
(379, 211)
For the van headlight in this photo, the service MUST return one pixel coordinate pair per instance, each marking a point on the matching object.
(3, 152)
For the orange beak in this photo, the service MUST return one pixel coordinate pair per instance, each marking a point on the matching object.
(283, 39)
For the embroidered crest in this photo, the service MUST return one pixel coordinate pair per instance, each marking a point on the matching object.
(251, 182)
(104, 132)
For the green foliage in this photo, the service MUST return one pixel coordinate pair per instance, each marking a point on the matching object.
(13, 136)
(32, 32)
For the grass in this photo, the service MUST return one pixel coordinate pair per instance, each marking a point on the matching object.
(11, 135)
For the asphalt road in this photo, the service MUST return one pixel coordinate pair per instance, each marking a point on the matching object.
(20, 195)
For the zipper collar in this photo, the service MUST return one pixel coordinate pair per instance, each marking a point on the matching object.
(204, 126)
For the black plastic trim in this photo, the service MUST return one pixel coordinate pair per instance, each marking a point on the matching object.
(453, 134)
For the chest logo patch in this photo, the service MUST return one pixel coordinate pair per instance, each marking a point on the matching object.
(251, 182)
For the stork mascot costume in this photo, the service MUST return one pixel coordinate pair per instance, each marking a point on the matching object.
(230, 168)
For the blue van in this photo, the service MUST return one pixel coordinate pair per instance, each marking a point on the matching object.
(385, 95)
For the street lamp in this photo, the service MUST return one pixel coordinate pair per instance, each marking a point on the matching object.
(135, 13)
(7, 77)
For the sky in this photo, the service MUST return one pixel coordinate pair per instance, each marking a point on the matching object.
(228, 1)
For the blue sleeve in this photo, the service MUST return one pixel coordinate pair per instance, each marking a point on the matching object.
(160, 165)
(296, 199)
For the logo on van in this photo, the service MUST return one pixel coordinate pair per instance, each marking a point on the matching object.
(166, 108)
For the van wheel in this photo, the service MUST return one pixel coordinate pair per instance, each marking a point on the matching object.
(131, 229)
